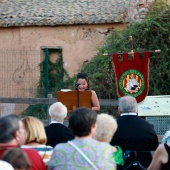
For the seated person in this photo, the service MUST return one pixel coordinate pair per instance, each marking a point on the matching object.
(68, 157)
(12, 135)
(36, 137)
(166, 137)
(161, 158)
(17, 158)
(57, 132)
(106, 127)
(82, 85)
(134, 134)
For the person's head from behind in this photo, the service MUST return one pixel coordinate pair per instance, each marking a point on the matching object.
(128, 104)
(58, 112)
(106, 127)
(34, 130)
(17, 158)
(82, 82)
(12, 130)
(83, 122)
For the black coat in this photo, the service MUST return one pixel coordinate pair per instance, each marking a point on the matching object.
(58, 133)
(135, 134)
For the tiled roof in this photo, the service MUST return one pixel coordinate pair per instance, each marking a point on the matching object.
(61, 12)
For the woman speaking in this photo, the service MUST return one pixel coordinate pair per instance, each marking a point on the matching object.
(82, 84)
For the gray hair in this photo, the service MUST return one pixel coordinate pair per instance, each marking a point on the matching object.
(106, 127)
(8, 126)
(128, 104)
(58, 112)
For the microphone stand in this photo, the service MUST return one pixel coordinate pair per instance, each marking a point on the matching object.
(77, 85)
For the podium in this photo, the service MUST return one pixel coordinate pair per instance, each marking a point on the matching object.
(74, 99)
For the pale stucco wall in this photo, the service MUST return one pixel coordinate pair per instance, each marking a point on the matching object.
(79, 43)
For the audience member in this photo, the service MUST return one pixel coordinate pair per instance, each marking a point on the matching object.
(134, 133)
(57, 132)
(106, 127)
(12, 135)
(166, 137)
(17, 158)
(5, 165)
(83, 84)
(83, 152)
(161, 158)
(36, 137)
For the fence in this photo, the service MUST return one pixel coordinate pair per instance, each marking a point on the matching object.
(20, 75)
(11, 103)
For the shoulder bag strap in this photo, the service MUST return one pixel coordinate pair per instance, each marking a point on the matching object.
(79, 150)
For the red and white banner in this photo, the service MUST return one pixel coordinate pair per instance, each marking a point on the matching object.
(132, 75)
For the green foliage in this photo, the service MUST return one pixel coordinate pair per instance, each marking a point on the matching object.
(158, 8)
(151, 34)
(101, 75)
(38, 110)
(56, 74)
(148, 35)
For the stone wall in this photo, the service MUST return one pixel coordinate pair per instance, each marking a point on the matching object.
(138, 9)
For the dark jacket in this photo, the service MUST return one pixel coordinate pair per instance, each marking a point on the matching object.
(135, 134)
(58, 133)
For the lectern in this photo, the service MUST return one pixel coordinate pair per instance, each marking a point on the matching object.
(73, 99)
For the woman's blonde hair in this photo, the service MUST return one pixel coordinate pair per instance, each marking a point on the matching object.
(106, 127)
(34, 130)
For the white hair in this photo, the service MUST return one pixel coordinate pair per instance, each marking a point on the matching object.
(58, 112)
(106, 127)
(128, 104)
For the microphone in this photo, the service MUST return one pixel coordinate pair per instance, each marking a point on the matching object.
(77, 84)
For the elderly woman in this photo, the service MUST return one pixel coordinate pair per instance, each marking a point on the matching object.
(83, 152)
(106, 127)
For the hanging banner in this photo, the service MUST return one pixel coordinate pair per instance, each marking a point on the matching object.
(132, 75)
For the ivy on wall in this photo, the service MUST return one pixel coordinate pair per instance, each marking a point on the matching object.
(56, 74)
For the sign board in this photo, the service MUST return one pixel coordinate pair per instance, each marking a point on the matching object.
(155, 106)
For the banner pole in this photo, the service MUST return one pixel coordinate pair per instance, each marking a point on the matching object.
(131, 46)
(132, 52)
(155, 51)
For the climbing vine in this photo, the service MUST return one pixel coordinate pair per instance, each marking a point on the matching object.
(56, 74)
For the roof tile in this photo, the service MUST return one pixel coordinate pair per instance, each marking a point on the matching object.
(60, 12)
